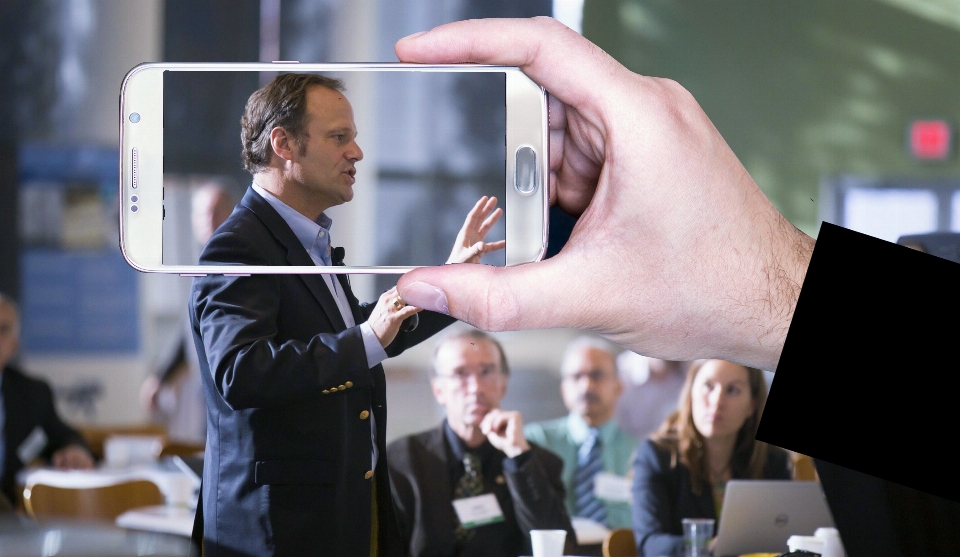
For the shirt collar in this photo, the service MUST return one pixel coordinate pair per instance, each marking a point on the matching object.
(578, 430)
(458, 447)
(306, 230)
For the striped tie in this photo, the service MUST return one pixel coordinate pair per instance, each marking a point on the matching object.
(588, 506)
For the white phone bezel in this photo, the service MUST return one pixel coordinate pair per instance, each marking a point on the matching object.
(141, 165)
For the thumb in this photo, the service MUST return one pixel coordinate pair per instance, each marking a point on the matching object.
(489, 298)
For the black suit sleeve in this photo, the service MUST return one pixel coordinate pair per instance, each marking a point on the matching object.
(59, 433)
(537, 492)
(869, 356)
(253, 364)
(655, 500)
(175, 362)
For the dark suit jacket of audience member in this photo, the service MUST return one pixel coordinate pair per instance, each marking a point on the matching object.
(288, 394)
(662, 496)
(28, 404)
(528, 489)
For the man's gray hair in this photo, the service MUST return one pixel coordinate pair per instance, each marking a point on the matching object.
(584, 342)
(469, 334)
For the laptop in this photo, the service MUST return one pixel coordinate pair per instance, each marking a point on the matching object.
(759, 515)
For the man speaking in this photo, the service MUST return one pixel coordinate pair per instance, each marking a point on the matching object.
(295, 393)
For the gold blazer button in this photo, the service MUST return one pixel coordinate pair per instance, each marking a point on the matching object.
(349, 384)
(368, 475)
(364, 415)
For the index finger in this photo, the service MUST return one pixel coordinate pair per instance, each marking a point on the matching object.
(537, 45)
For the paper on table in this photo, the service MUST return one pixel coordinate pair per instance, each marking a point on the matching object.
(162, 518)
(588, 531)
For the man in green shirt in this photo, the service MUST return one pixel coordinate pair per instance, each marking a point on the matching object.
(597, 455)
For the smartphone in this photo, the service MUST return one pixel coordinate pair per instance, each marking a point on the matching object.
(435, 139)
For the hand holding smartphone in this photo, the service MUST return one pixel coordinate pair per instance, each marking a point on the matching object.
(149, 217)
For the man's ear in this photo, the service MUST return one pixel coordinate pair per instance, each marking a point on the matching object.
(437, 391)
(282, 143)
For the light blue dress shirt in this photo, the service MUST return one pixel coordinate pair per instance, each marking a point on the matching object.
(315, 237)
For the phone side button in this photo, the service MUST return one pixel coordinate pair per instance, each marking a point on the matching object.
(193, 274)
(525, 178)
(236, 274)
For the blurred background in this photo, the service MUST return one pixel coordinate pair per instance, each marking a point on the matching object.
(841, 111)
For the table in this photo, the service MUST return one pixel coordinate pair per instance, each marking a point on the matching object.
(176, 486)
(24, 538)
(167, 519)
(588, 531)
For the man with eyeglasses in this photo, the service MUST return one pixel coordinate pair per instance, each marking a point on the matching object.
(596, 453)
(474, 485)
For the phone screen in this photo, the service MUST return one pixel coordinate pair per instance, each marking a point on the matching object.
(433, 143)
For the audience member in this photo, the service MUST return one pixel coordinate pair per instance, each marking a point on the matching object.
(174, 391)
(682, 470)
(29, 425)
(651, 387)
(474, 485)
(596, 452)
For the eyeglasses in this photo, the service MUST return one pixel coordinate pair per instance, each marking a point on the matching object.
(485, 374)
(594, 375)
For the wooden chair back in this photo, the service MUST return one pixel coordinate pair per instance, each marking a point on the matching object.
(619, 543)
(803, 468)
(95, 503)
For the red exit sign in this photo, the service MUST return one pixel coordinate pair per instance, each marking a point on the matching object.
(931, 139)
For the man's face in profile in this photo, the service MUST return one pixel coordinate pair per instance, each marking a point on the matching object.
(469, 381)
(325, 162)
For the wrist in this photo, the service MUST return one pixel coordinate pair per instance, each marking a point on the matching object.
(516, 449)
(784, 270)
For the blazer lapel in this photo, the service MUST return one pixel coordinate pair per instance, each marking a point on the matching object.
(435, 481)
(296, 255)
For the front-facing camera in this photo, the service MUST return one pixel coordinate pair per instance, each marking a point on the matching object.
(134, 117)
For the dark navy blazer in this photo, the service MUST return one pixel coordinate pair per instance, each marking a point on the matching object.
(28, 405)
(288, 391)
(663, 496)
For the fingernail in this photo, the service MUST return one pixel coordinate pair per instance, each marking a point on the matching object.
(413, 36)
(423, 295)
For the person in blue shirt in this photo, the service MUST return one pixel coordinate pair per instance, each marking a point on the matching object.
(590, 388)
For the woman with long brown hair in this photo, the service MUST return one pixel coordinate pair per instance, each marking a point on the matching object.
(681, 471)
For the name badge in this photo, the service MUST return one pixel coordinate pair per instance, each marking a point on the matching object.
(613, 488)
(32, 445)
(479, 510)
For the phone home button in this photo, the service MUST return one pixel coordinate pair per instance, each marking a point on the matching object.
(525, 175)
